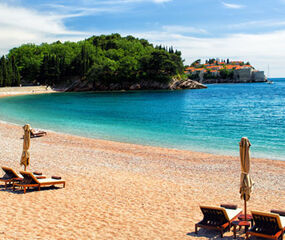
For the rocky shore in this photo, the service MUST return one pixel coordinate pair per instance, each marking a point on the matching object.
(175, 84)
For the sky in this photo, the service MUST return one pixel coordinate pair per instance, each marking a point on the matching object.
(249, 30)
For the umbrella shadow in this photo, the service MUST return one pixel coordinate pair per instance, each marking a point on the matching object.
(30, 190)
(211, 234)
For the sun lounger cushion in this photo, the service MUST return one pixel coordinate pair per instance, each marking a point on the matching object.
(55, 177)
(37, 173)
(281, 213)
(48, 180)
(229, 206)
(232, 213)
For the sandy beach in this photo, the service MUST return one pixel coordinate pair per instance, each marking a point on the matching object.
(12, 91)
(125, 191)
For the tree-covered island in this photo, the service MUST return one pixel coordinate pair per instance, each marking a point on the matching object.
(106, 62)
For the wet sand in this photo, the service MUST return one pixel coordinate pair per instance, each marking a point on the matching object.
(125, 191)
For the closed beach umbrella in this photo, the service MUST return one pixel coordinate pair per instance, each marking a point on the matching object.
(25, 158)
(245, 180)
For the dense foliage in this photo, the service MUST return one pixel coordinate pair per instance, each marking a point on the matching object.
(9, 73)
(105, 59)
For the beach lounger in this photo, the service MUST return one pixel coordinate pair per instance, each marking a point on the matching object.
(31, 181)
(267, 225)
(218, 218)
(37, 133)
(11, 176)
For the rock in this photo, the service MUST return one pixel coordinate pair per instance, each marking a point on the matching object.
(115, 86)
(84, 85)
(135, 86)
(187, 84)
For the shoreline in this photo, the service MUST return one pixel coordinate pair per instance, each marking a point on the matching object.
(141, 146)
(31, 90)
(26, 90)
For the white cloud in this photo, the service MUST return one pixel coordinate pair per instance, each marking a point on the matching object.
(260, 50)
(233, 6)
(183, 29)
(19, 25)
(258, 24)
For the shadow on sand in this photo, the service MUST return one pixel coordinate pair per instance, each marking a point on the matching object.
(212, 234)
(30, 190)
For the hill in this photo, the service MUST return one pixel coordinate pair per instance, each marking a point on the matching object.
(106, 62)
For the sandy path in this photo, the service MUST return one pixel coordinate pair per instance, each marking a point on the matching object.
(125, 191)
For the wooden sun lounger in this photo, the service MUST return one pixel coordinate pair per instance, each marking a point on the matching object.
(217, 218)
(35, 133)
(10, 176)
(267, 225)
(31, 181)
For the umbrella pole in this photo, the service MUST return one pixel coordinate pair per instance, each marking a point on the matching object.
(245, 218)
(25, 168)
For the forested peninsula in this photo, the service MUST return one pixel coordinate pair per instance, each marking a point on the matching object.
(106, 62)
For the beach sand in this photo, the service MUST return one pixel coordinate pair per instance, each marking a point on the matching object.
(12, 91)
(125, 191)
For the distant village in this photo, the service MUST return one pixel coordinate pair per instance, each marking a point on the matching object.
(224, 71)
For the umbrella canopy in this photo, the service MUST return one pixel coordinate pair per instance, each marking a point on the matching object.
(245, 180)
(25, 158)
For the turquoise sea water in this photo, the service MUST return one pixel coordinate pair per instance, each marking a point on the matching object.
(210, 120)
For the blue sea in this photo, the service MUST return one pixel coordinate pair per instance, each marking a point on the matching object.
(209, 120)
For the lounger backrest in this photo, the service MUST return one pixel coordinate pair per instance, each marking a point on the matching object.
(10, 172)
(269, 221)
(215, 214)
(29, 178)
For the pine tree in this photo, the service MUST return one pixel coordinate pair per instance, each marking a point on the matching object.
(44, 70)
(1, 74)
(4, 71)
(15, 76)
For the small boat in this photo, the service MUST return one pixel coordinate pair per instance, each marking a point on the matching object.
(269, 82)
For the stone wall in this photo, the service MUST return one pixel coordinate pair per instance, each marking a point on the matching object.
(245, 75)
(258, 76)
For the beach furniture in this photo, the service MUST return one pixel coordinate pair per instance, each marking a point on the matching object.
(31, 181)
(37, 133)
(217, 218)
(267, 225)
(11, 176)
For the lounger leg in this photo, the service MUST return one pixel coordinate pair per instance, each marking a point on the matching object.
(196, 229)
(24, 189)
(39, 188)
(222, 233)
(63, 185)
